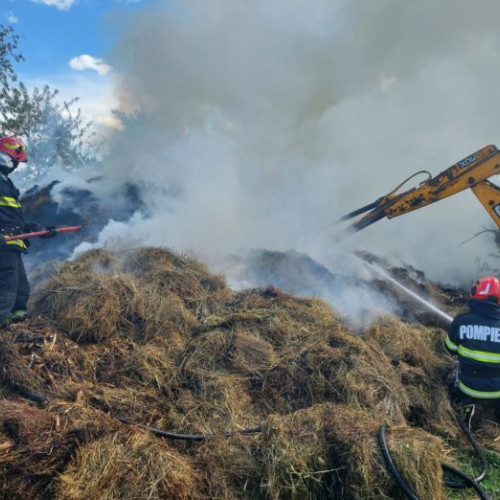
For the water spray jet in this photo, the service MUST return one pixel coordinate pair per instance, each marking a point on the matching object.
(409, 292)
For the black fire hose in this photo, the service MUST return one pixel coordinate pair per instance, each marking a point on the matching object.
(467, 479)
(477, 449)
(189, 437)
(32, 396)
(37, 398)
(390, 465)
(469, 482)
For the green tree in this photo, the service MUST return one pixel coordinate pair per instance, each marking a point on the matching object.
(8, 55)
(53, 130)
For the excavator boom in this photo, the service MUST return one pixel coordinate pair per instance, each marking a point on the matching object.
(471, 172)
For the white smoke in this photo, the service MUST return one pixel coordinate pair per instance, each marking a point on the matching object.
(259, 123)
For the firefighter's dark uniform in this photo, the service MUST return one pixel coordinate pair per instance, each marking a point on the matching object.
(475, 338)
(14, 286)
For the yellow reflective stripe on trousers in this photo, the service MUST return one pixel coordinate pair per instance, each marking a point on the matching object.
(451, 346)
(486, 357)
(19, 243)
(478, 394)
(8, 201)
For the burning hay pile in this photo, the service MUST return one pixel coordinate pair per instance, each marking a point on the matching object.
(154, 338)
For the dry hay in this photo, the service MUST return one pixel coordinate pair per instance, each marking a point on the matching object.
(36, 444)
(424, 369)
(14, 374)
(154, 337)
(94, 308)
(201, 291)
(338, 444)
(128, 464)
(324, 451)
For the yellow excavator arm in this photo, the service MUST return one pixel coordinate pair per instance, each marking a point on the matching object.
(471, 172)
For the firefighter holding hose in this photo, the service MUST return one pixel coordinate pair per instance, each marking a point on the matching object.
(474, 336)
(14, 286)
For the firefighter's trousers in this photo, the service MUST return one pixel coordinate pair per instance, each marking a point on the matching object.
(14, 286)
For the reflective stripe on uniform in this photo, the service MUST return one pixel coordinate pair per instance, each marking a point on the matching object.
(13, 146)
(19, 243)
(485, 357)
(9, 201)
(478, 394)
(450, 345)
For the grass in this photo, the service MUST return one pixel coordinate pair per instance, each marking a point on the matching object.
(469, 463)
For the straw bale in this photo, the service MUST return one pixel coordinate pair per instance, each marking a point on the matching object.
(129, 464)
(371, 382)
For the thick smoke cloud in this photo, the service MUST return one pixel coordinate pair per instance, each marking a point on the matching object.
(256, 124)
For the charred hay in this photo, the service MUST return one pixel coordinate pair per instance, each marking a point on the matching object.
(154, 337)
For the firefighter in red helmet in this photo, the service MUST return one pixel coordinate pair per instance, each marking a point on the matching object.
(474, 337)
(14, 286)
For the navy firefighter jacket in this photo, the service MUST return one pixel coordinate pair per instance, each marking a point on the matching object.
(11, 214)
(474, 337)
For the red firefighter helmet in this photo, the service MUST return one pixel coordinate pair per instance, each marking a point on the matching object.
(487, 288)
(12, 152)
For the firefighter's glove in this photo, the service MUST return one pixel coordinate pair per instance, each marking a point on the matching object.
(32, 227)
(52, 232)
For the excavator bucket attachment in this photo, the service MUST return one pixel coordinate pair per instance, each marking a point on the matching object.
(367, 220)
(359, 211)
(376, 211)
(469, 173)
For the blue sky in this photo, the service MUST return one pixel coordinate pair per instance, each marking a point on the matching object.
(65, 44)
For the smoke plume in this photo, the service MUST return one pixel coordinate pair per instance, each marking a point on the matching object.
(257, 124)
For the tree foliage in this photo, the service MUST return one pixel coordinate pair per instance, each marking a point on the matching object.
(53, 129)
(8, 55)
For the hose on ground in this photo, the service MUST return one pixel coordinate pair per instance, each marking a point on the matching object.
(477, 449)
(189, 437)
(391, 467)
(166, 434)
(37, 398)
(468, 482)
